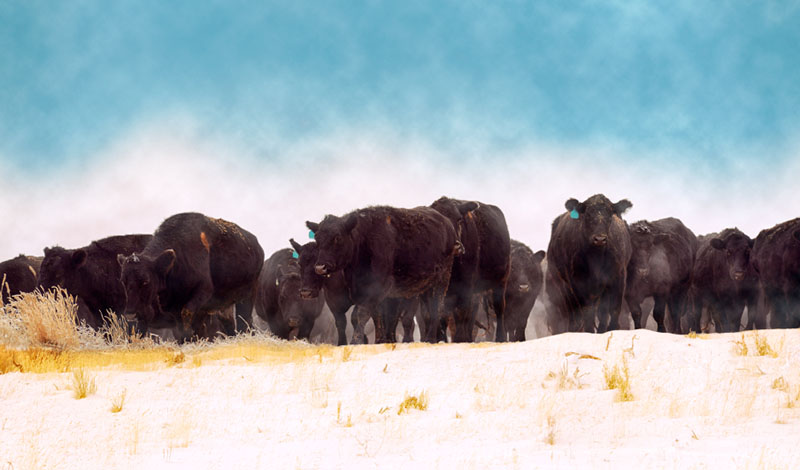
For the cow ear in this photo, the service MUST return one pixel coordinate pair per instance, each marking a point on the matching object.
(47, 251)
(539, 256)
(571, 204)
(121, 259)
(621, 206)
(165, 262)
(466, 207)
(314, 227)
(78, 258)
(350, 223)
(717, 243)
(297, 247)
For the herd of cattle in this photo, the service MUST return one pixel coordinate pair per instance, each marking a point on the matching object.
(437, 264)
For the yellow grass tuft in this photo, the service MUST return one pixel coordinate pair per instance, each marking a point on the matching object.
(550, 437)
(619, 378)
(43, 319)
(564, 379)
(418, 402)
(780, 384)
(82, 384)
(763, 347)
(118, 402)
(740, 347)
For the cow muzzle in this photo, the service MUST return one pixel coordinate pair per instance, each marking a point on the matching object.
(643, 272)
(737, 275)
(599, 240)
(306, 294)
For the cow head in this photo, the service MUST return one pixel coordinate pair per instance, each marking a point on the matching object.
(595, 216)
(59, 266)
(143, 277)
(334, 239)
(293, 306)
(736, 246)
(643, 241)
(460, 215)
(310, 281)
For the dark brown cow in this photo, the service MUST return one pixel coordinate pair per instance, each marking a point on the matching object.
(587, 265)
(386, 252)
(19, 275)
(776, 258)
(482, 267)
(661, 267)
(194, 265)
(723, 280)
(524, 284)
(278, 301)
(91, 274)
(337, 296)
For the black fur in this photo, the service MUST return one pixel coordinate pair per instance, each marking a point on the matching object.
(278, 299)
(587, 265)
(194, 265)
(776, 257)
(661, 266)
(19, 274)
(723, 280)
(482, 268)
(91, 274)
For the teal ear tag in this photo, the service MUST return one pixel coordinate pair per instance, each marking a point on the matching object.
(295, 255)
(574, 214)
(311, 234)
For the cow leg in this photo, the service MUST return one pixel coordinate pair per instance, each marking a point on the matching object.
(499, 306)
(340, 319)
(305, 329)
(464, 316)
(635, 307)
(433, 302)
(407, 317)
(244, 315)
(659, 308)
(391, 315)
(359, 319)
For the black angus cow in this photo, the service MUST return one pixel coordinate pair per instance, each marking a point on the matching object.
(776, 258)
(661, 266)
(194, 265)
(524, 285)
(588, 257)
(481, 269)
(19, 275)
(337, 296)
(278, 299)
(91, 274)
(386, 252)
(723, 280)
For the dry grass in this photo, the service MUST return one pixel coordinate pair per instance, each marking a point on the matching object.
(740, 347)
(82, 384)
(414, 402)
(118, 402)
(565, 380)
(763, 347)
(550, 437)
(619, 378)
(42, 319)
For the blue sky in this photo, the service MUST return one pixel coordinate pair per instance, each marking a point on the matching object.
(682, 88)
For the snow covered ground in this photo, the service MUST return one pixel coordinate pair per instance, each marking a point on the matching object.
(696, 403)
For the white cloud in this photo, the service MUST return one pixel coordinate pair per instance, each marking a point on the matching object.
(157, 171)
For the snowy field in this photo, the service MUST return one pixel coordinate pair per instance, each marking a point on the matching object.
(689, 402)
